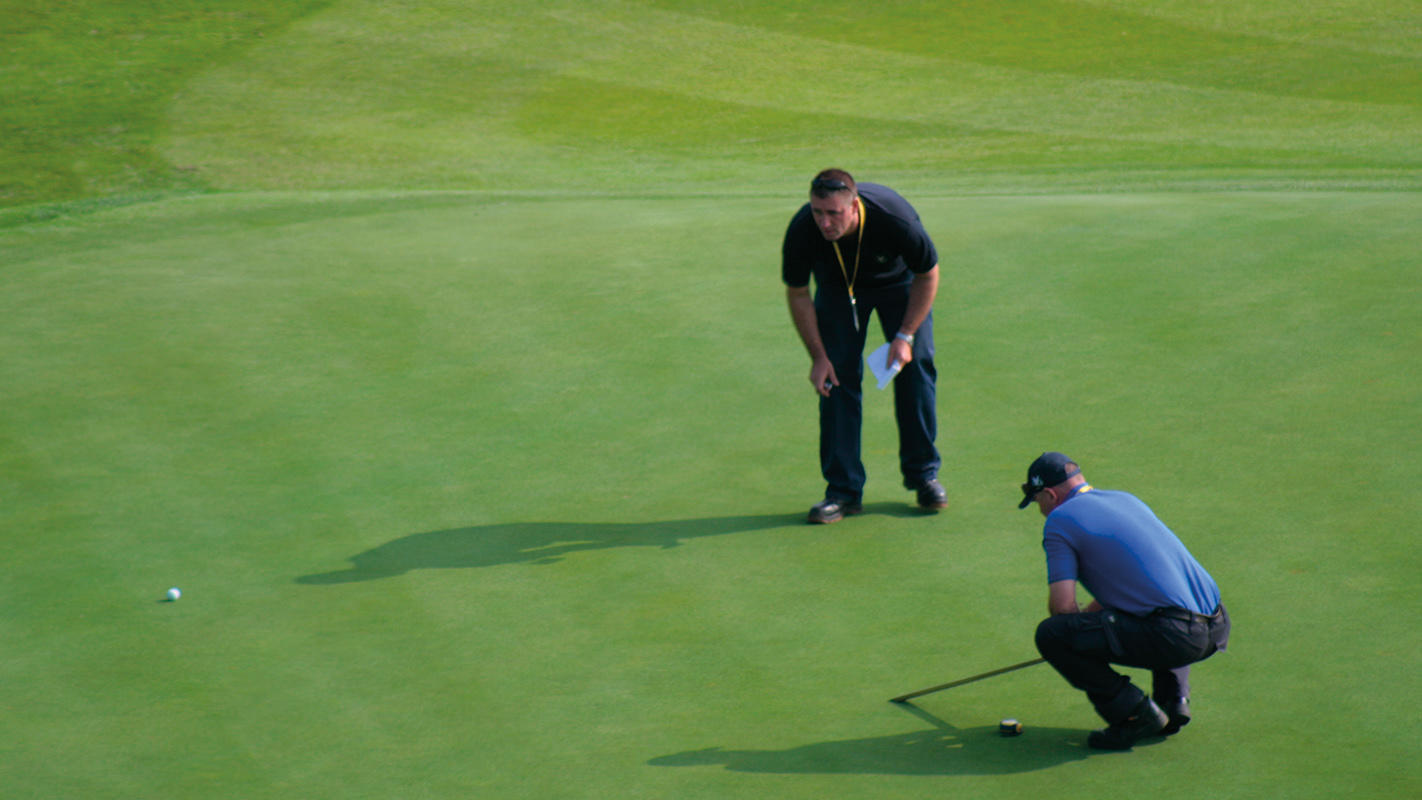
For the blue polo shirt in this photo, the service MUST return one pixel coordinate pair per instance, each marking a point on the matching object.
(1114, 545)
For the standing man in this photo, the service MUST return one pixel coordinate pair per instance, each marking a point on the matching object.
(867, 250)
(1155, 607)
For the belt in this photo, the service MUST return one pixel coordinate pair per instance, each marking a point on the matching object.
(1187, 616)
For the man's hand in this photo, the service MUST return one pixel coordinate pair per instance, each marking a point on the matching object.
(921, 295)
(900, 351)
(802, 312)
(822, 376)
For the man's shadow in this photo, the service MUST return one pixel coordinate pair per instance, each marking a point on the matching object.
(940, 750)
(541, 543)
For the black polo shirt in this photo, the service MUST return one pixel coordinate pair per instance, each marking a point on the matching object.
(895, 246)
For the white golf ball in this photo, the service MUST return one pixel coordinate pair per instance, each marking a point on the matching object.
(174, 593)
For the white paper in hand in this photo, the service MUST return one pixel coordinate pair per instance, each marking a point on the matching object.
(880, 366)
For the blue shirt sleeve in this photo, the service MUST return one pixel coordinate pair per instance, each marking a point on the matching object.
(1061, 558)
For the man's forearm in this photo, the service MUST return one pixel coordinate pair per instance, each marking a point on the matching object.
(921, 296)
(802, 313)
(1061, 598)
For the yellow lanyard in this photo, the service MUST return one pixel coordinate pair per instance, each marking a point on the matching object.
(848, 278)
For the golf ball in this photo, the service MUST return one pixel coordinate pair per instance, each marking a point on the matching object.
(174, 593)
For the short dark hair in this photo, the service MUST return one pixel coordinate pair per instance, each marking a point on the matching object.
(832, 181)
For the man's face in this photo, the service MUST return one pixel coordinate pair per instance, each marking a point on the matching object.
(1046, 501)
(836, 215)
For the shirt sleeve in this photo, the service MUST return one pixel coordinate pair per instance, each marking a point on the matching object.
(1061, 558)
(794, 258)
(920, 254)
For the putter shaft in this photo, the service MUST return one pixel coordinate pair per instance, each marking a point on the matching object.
(904, 698)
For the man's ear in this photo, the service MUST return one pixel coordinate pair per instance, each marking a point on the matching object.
(1056, 496)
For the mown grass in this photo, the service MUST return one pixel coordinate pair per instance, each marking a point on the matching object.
(432, 542)
(85, 85)
(628, 98)
(110, 102)
(437, 352)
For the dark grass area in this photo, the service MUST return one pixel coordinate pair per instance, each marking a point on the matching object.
(86, 84)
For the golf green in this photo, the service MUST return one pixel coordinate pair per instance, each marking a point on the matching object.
(438, 353)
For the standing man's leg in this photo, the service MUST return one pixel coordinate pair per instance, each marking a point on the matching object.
(841, 414)
(915, 403)
(916, 410)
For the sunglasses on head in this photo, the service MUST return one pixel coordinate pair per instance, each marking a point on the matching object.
(828, 185)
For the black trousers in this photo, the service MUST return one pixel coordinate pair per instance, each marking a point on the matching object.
(842, 414)
(1082, 647)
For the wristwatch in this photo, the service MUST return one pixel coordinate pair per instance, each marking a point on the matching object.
(907, 337)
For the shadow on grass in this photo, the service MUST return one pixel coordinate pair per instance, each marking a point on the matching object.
(548, 542)
(941, 750)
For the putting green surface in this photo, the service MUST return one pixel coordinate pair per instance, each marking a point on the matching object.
(451, 380)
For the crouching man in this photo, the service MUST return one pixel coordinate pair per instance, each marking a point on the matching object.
(1154, 606)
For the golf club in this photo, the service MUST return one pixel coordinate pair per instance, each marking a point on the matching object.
(904, 698)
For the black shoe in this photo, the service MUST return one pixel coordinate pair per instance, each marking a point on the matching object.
(1147, 720)
(1179, 714)
(932, 494)
(832, 510)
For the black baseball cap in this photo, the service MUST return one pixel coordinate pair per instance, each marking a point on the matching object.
(1049, 469)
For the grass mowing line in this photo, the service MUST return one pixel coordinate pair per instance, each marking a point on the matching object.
(977, 183)
(439, 117)
(1125, 43)
(86, 83)
(1365, 26)
(418, 110)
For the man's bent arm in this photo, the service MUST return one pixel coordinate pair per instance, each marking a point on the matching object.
(802, 313)
(921, 296)
(920, 303)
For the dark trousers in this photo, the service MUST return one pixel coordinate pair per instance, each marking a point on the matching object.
(1082, 647)
(841, 414)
